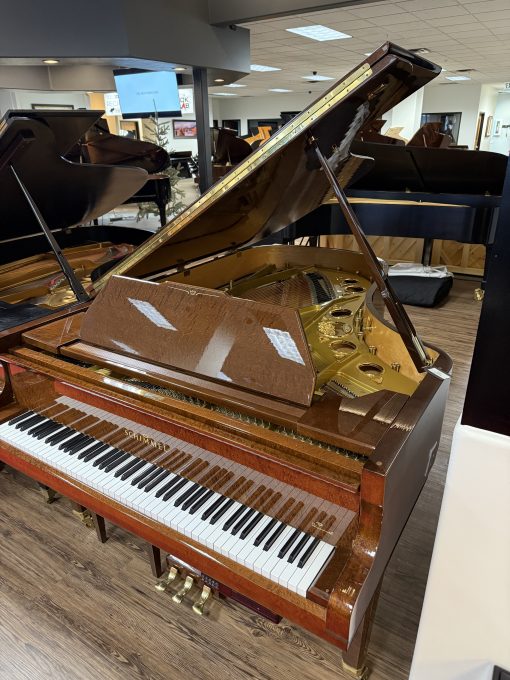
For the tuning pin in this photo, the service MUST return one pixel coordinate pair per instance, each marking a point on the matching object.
(199, 605)
(395, 366)
(167, 579)
(180, 594)
(372, 349)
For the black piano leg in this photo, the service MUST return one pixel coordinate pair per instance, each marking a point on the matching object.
(354, 658)
(2, 465)
(426, 254)
(155, 560)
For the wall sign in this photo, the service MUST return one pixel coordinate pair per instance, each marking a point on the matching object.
(187, 100)
(112, 104)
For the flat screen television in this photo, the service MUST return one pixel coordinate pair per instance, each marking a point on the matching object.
(143, 93)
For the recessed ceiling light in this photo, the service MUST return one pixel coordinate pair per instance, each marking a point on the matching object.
(223, 94)
(317, 77)
(235, 85)
(51, 61)
(457, 78)
(260, 67)
(219, 80)
(179, 68)
(420, 50)
(318, 32)
(367, 54)
(279, 89)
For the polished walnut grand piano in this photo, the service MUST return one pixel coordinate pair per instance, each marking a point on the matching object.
(247, 409)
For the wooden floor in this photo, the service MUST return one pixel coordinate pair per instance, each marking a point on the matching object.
(71, 608)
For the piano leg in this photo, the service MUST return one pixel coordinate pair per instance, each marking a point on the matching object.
(155, 560)
(48, 494)
(99, 526)
(426, 254)
(354, 658)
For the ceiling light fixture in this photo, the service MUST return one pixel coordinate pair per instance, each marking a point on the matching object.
(219, 80)
(279, 89)
(367, 54)
(456, 78)
(51, 61)
(317, 78)
(235, 85)
(319, 32)
(260, 67)
(420, 50)
(179, 68)
(223, 94)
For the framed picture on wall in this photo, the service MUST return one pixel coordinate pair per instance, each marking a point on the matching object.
(53, 107)
(488, 127)
(184, 129)
(129, 128)
(450, 123)
(497, 128)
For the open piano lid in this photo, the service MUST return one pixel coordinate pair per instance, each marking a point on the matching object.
(281, 180)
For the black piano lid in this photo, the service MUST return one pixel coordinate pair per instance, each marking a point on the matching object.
(66, 193)
(67, 126)
(281, 180)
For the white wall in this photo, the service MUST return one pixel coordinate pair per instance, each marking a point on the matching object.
(23, 99)
(488, 102)
(244, 108)
(462, 97)
(406, 115)
(501, 143)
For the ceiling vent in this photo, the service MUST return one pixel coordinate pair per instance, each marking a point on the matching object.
(420, 50)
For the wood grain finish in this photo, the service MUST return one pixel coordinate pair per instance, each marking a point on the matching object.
(63, 633)
(52, 336)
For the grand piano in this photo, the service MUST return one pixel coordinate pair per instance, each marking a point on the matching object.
(248, 409)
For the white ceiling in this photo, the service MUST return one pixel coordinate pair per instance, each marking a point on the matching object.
(460, 34)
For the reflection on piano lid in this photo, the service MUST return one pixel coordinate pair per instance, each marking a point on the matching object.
(273, 365)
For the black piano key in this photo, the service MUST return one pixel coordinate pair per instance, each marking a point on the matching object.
(298, 549)
(105, 458)
(127, 467)
(175, 489)
(78, 439)
(114, 463)
(265, 532)
(60, 436)
(79, 446)
(213, 507)
(95, 451)
(222, 510)
(289, 543)
(132, 469)
(306, 555)
(232, 520)
(46, 433)
(251, 525)
(21, 416)
(42, 427)
(115, 455)
(145, 473)
(201, 491)
(183, 497)
(164, 474)
(270, 541)
(25, 424)
(240, 524)
(86, 451)
(168, 486)
(199, 503)
(153, 474)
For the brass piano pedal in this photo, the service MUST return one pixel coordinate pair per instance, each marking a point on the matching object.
(356, 673)
(85, 518)
(478, 294)
(181, 594)
(167, 579)
(199, 605)
(48, 494)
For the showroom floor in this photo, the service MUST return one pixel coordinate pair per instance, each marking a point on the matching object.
(71, 608)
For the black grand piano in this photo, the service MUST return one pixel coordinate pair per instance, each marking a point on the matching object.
(417, 192)
(47, 205)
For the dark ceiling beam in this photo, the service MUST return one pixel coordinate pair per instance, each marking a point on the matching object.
(231, 12)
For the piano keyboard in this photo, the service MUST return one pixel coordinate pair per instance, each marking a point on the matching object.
(268, 526)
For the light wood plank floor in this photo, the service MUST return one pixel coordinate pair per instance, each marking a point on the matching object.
(71, 608)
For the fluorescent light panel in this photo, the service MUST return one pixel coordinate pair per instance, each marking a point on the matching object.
(279, 89)
(457, 78)
(260, 67)
(317, 77)
(235, 85)
(319, 32)
(223, 94)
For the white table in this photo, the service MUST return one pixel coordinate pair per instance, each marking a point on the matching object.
(465, 623)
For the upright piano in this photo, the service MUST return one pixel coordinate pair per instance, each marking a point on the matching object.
(248, 409)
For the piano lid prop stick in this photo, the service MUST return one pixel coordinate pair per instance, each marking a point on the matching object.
(414, 345)
(75, 284)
